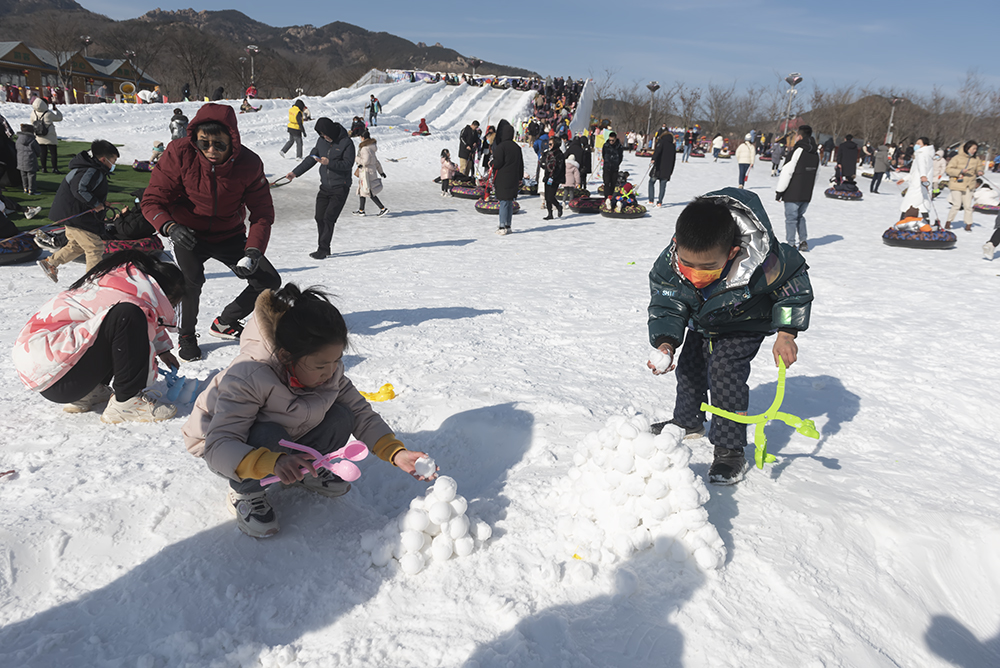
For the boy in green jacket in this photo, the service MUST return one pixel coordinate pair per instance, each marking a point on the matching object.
(721, 286)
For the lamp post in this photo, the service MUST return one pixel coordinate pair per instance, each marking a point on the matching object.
(893, 101)
(793, 80)
(475, 62)
(653, 86)
(86, 42)
(243, 71)
(252, 49)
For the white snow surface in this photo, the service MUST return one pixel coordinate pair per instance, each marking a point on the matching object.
(878, 545)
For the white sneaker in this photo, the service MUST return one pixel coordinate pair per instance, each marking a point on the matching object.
(254, 515)
(325, 484)
(141, 408)
(32, 212)
(503, 231)
(281, 153)
(95, 397)
(988, 250)
(50, 271)
(359, 212)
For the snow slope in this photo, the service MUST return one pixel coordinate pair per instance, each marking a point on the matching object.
(878, 545)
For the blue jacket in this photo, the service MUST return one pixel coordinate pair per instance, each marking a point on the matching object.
(765, 289)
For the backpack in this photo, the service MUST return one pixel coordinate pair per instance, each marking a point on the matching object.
(41, 128)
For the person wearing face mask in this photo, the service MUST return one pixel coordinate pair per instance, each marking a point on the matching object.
(80, 199)
(200, 194)
(917, 199)
(722, 285)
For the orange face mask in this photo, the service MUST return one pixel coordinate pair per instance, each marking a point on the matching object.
(700, 278)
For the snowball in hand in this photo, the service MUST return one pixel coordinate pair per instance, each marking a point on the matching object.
(660, 361)
(425, 467)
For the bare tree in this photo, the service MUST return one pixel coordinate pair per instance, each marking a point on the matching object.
(59, 35)
(973, 101)
(141, 43)
(719, 108)
(689, 103)
(198, 57)
(602, 87)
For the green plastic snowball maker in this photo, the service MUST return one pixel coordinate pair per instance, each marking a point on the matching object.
(804, 427)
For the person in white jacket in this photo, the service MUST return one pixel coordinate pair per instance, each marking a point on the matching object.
(916, 201)
(744, 156)
(369, 173)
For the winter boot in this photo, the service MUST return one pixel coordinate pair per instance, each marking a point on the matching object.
(188, 349)
(728, 466)
(254, 515)
(988, 250)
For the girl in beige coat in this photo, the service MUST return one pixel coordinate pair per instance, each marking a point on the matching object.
(369, 173)
(288, 383)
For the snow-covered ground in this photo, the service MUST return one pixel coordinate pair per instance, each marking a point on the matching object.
(878, 545)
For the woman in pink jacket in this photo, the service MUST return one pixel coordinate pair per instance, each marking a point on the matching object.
(288, 383)
(107, 329)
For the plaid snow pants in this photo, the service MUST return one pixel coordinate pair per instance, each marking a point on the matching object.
(721, 365)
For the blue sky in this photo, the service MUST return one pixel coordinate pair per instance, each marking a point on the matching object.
(874, 43)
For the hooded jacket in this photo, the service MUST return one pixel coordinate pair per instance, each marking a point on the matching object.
(40, 110)
(467, 143)
(178, 126)
(847, 158)
(798, 175)
(612, 154)
(211, 200)
(881, 163)
(369, 169)
(340, 153)
(922, 166)
(84, 187)
(255, 387)
(765, 289)
(508, 163)
(664, 157)
(28, 152)
(55, 338)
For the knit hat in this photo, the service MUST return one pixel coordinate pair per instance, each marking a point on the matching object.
(747, 136)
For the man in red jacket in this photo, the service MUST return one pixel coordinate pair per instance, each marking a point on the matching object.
(198, 196)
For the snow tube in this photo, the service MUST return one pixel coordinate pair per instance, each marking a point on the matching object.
(147, 245)
(492, 206)
(644, 154)
(529, 189)
(868, 175)
(698, 154)
(902, 169)
(18, 248)
(833, 193)
(142, 166)
(936, 239)
(420, 134)
(468, 192)
(628, 211)
(986, 208)
(585, 205)
(576, 192)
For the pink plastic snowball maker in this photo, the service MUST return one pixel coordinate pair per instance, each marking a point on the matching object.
(355, 451)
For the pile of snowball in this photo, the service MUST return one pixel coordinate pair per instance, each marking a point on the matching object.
(630, 490)
(434, 528)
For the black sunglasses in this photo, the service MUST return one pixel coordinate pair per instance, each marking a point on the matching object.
(204, 145)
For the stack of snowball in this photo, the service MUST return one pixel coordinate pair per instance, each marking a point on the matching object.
(435, 527)
(629, 490)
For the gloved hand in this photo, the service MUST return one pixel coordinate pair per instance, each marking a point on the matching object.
(382, 175)
(778, 196)
(180, 235)
(248, 265)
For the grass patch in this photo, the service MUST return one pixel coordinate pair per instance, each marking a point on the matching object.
(122, 182)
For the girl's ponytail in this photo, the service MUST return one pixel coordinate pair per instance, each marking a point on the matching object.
(308, 322)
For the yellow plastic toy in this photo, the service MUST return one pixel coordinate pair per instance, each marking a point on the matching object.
(385, 393)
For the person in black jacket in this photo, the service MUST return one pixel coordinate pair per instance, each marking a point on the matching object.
(664, 157)
(81, 195)
(612, 153)
(579, 148)
(847, 158)
(467, 142)
(508, 170)
(334, 151)
(828, 148)
(554, 163)
(795, 185)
